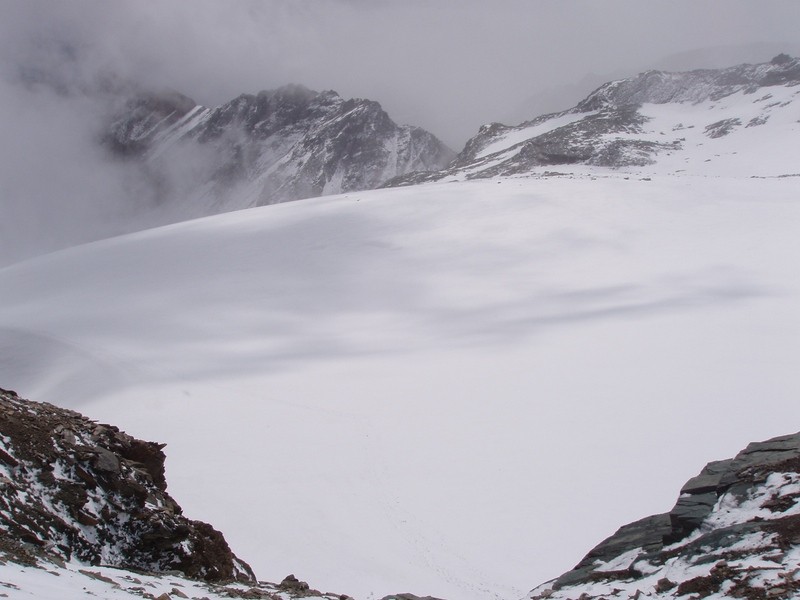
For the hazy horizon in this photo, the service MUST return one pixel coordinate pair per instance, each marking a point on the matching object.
(447, 66)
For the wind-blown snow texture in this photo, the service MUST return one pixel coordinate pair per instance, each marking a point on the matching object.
(737, 121)
(449, 389)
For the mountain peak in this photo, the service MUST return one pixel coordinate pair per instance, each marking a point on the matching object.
(782, 59)
(656, 121)
(277, 145)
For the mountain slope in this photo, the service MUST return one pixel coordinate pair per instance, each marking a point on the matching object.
(734, 533)
(416, 388)
(275, 146)
(736, 121)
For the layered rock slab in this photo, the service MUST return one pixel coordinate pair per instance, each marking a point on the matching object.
(734, 532)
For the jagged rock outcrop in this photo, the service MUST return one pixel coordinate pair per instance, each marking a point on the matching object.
(74, 489)
(616, 126)
(734, 532)
(278, 145)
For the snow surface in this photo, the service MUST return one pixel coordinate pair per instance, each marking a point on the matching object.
(454, 389)
(523, 133)
(73, 580)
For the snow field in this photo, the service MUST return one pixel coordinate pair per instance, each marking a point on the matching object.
(452, 389)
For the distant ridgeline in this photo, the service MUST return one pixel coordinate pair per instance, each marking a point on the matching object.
(277, 145)
(741, 119)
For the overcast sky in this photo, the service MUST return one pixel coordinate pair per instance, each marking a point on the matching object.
(448, 65)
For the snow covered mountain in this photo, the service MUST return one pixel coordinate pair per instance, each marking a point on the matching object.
(741, 120)
(445, 388)
(734, 533)
(277, 145)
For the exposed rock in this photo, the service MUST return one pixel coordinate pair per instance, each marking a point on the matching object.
(97, 495)
(293, 585)
(721, 128)
(274, 146)
(734, 529)
(409, 597)
(608, 128)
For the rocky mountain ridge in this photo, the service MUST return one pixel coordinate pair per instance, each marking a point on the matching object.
(733, 533)
(671, 121)
(274, 146)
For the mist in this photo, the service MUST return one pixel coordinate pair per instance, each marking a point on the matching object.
(446, 66)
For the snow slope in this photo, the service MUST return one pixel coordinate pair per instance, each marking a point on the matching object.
(739, 121)
(74, 580)
(450, 389)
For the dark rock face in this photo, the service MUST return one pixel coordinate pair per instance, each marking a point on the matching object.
(735, 528)
(274, 146)
(72, 488)
(145, 115)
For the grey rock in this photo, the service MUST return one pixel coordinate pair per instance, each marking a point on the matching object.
(690, 511)
(709, 478)
(106, 461)
(662, 538)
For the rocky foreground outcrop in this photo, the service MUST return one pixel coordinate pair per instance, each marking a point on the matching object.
(88, 503)
(73, 489)
(733, 533)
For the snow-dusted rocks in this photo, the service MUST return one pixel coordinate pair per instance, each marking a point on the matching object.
(734, 532)
(71, 489)
(742, 120)
(277, 145)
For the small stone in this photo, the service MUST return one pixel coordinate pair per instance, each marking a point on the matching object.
(291, 583)
(664, 585)
(107, 461)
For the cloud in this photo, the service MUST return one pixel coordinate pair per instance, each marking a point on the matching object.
(450, 64)
(447, 65)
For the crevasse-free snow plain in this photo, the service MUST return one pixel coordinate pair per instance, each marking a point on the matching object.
(450, 389)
